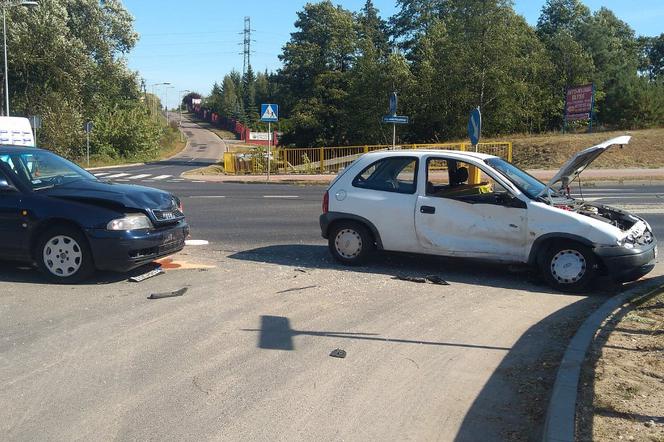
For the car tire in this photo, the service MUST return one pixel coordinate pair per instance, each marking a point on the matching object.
(569, 266)
(63, 255)
(351, 243)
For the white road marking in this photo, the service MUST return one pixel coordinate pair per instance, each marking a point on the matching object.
(623, 197)
(118, 175)
(138, 177)
(281, 196)
(162, 177)
(198, 181)
(647, 209)
(208, 196)
(101, 174)
(196, 242)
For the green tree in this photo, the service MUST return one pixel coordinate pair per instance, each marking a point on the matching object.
(315, 76)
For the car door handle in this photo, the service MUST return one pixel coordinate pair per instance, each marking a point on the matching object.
(427, 209)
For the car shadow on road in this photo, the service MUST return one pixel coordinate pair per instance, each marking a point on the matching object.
(21, 273)
(452, 270)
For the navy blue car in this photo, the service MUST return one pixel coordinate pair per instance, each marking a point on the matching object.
(69, 223)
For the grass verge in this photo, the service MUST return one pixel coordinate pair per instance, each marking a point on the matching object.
(170, 144)
(550, 151)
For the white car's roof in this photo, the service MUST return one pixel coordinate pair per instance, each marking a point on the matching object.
(425, 152)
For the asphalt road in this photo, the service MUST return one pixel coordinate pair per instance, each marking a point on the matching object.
(244, 353)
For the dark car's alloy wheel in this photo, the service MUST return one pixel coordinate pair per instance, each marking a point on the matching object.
(63, 255)
(350, 242)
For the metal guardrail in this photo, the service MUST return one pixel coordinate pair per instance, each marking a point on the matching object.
(326, 160)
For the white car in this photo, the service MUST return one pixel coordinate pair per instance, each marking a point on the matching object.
(472, 205)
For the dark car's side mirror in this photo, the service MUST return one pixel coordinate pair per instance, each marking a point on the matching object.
(6, 186)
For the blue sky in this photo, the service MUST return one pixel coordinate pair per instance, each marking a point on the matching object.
(193, 44)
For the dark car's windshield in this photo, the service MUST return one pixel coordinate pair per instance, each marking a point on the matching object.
(525, 182)
(41, 169)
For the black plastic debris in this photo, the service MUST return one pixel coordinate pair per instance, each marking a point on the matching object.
(300, 270)
(180, 292)
(144, 276)
(411, 279)
(435, 279)
(338, 353)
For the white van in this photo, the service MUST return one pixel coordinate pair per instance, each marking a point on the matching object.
(16, 131)
(473, 205)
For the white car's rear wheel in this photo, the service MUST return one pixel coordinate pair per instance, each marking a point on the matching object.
(350, 242)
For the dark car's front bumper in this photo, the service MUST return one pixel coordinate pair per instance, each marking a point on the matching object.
(121, 251)
(624, 264)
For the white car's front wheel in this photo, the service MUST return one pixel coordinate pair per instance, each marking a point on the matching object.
(350, 242)
(569, 266)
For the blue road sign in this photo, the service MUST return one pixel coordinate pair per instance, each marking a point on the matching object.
(395, 119)
(269, 113)
(475, 126)
(393, 104)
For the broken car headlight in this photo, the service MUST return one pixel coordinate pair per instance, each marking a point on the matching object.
(627, 242)
(133, 221)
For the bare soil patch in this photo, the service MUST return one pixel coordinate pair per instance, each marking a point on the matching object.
(622, 383)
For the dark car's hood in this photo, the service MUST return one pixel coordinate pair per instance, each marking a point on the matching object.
(110, 194)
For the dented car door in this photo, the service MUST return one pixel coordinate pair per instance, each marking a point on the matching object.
(456, 216)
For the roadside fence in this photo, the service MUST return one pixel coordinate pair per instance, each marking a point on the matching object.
(329, 160)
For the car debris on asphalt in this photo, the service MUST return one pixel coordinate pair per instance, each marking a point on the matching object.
(180, 292)
(338, 353)
(433, 279)
(144, 276)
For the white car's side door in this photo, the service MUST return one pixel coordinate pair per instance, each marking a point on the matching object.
(455, 218)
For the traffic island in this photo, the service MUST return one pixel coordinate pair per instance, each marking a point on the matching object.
(621, 395)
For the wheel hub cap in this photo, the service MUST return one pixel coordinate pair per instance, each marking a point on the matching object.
(62, 256)
(348, 243)
(568, 266)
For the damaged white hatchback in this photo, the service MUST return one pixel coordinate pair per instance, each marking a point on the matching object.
(473, 205)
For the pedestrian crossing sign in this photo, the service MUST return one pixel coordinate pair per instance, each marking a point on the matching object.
(269, 113)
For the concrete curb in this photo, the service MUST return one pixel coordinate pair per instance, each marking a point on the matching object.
(560, 424)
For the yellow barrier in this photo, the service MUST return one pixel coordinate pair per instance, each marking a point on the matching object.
(321, 160)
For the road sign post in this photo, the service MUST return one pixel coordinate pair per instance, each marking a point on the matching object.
(88, 128)
(36, 123)
(475, 127)
(394, 118)
(269, 114)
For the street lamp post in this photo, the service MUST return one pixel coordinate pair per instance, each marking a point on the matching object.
(166, 99)
(180, 104)
(7, 4)
(154, 97)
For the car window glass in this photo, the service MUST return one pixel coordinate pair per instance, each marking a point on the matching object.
(448, 178)
(389, 175)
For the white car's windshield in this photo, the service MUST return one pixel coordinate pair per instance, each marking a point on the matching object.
(525, 182)
(42, 170)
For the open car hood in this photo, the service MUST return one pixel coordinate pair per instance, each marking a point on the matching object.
(578, 163)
